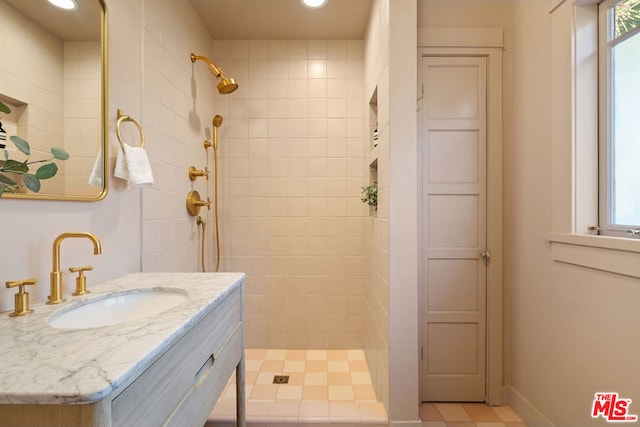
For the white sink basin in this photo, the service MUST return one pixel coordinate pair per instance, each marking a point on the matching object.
(118, 307)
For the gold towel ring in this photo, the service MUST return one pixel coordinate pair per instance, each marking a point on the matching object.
(125, 118)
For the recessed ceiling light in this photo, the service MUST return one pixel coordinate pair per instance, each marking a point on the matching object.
(314, 4)
(64, 4)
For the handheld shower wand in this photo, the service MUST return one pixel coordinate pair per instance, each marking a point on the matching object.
(216, 122)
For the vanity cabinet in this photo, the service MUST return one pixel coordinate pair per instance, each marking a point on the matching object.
(191, 374)
(179, 388)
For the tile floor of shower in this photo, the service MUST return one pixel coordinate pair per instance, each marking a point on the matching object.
(332, 388)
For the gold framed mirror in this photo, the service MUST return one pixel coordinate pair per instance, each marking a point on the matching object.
(53, 100)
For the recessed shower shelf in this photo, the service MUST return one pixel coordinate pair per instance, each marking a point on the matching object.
(373, 119)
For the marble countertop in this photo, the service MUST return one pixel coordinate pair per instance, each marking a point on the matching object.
(40, 364)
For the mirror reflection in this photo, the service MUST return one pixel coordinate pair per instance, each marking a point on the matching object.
(52, 95)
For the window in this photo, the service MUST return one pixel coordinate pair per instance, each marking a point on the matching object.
(619, 34)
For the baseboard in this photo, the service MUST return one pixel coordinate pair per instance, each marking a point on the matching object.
(525, 410)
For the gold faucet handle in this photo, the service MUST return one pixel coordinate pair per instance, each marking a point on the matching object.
(21, 299)
(81, 280)
(195, 173)
(13, 284)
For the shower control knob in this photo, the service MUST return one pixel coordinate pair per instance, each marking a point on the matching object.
(194, 203)
(195, 173)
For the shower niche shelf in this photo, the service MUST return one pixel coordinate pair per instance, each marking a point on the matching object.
(373, 120)
(371, 157)
(373, 178)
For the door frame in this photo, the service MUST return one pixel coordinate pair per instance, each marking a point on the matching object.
(494, 321)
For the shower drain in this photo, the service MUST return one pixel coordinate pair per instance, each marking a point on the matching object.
(281, 379)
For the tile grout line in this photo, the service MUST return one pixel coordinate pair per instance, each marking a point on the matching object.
(351, 401)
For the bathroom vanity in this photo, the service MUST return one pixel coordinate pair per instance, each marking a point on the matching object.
(167, 368)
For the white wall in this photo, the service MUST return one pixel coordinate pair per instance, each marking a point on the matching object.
(572, 327)
(403, 210)
(29, 227)
(391, 343)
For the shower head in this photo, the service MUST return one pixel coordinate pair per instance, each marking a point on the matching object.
(217, 120)
(226, 85)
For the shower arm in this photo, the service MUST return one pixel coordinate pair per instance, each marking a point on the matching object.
(226, 84)
(215, 70)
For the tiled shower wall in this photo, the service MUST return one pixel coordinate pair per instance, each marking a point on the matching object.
(82, 112)
(376, 343)
(176, 117)
(291, 171)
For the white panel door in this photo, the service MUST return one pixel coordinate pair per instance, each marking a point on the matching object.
(454, 159)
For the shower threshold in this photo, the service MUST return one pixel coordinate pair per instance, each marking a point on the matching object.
(325, 387)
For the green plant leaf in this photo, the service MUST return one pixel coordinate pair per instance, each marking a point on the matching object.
(47, 171)
(4, 108)
(32, 182)
(59, 153)
(6, 180)
(21, 144)
(15, 166)
(6, 155)
(1, 189)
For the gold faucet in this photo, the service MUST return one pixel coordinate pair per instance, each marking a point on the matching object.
(56, 274)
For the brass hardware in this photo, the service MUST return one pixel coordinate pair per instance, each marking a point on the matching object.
(125, 118)
(202, 223)
(195, 173)
(281, 379)
(21, 298)
(81, 281)
(226, 85)
(55, 296)
(216, 122)
(194, 203)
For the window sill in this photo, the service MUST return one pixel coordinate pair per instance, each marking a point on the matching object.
(612, 254)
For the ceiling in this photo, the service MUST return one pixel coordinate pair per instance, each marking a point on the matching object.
(82, 24)
(224, 19)
(283, 19)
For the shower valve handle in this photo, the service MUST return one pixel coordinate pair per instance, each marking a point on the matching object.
(201, 203)
(194, 203)
(195, 173)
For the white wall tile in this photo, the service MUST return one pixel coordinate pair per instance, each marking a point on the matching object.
(291, 183)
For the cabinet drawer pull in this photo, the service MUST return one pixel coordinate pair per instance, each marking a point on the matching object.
(205, 368)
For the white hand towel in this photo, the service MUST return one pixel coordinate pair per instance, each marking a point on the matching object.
(133, 165)
(120, 170)
(96, 172)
